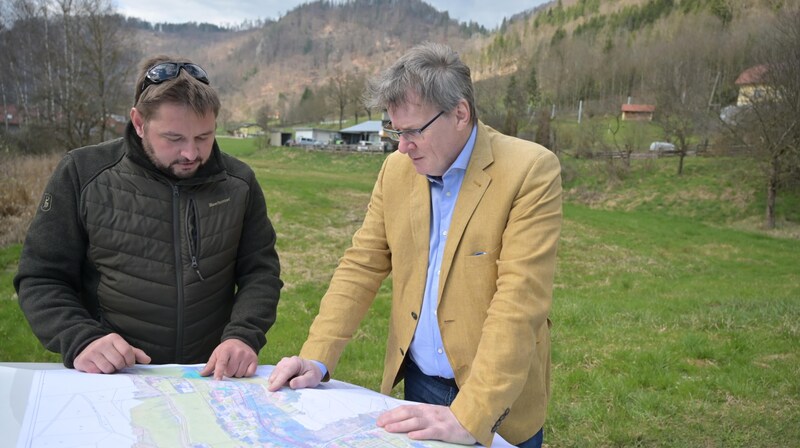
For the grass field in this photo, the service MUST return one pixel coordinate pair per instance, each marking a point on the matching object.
(676, 321)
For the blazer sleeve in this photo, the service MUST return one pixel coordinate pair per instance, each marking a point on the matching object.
(354, 285)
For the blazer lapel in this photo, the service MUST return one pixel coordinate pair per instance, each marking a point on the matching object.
(476, 181)
(420, 215)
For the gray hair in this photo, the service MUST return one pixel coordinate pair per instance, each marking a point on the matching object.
(434, 71)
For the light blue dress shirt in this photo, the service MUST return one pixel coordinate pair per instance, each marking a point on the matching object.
(427, 350)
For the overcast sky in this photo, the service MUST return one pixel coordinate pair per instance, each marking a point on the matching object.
(488, 13)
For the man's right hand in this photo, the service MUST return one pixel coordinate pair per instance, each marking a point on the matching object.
(296, 372)
(108, 355)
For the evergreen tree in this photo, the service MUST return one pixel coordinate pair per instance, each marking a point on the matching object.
(532, 89)
(514, 103)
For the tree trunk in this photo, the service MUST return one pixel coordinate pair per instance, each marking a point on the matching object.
(772, 192)
(681, 155)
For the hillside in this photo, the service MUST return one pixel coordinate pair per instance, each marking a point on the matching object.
(279, 59)
(566, 60)
(602, 51)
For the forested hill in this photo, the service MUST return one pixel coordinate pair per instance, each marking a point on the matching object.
(600, 51)
(277, 60)
(595, 50)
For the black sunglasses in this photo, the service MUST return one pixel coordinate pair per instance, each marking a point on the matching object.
(170, 70)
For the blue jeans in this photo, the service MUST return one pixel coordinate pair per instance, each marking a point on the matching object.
(435, 390)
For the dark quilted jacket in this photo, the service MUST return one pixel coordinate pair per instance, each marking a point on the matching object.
(174, 266)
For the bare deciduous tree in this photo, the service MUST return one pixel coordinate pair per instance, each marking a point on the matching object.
(625, 143)
(338, 93)
(67, 70)
(356, 88)
(683, 82)
(264, 115)
(770, 123)
(109, 60)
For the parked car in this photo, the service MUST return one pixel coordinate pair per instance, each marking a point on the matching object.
(366, 145)
(662, 147)
(305, 141)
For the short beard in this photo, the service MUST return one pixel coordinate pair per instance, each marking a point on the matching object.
(167, 169)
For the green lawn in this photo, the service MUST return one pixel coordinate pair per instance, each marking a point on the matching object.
(672, 327)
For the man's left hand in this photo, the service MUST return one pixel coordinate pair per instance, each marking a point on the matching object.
(426, 422)
(232, 358)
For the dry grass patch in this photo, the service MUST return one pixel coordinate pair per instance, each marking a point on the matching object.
(585, 196)
(739, 200)
(717, 250)
(22, 180)
(783, 228)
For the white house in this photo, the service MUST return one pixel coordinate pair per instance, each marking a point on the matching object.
(368, 131)
(325, 136)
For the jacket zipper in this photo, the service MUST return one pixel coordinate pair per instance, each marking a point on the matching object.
(193, 234)
(176, 237)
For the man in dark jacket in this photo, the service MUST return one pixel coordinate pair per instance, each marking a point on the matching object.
(155, 247)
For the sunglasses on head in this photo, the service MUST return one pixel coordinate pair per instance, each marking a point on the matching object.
(165, 71)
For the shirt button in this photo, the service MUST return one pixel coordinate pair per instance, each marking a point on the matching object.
(444, 233)
(447, 194)
(439, 351)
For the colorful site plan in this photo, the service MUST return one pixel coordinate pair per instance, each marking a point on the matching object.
(173, 406)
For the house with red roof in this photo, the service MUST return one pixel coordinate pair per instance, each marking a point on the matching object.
(640, 112)
(752, 85)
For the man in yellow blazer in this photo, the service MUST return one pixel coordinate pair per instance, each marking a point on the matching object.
(467, 221)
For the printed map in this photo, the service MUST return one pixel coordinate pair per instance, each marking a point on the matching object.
(172, 406)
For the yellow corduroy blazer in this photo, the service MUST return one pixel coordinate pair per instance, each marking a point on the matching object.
(495, 284)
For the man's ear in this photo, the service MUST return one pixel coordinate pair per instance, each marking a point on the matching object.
(463, 118)
(138, 122)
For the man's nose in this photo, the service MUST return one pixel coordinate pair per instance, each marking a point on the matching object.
(190, 151)
(404, 145)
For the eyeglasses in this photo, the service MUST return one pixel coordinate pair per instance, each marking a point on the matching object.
(170, 70)
(410, 134)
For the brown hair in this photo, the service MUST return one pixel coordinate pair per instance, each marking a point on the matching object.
(183, 90)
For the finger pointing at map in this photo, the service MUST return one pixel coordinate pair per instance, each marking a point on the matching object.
(232, 358)
(295, 372)
(109, 354)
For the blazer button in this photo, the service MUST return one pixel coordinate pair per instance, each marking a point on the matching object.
(500, 420)
(414, 315)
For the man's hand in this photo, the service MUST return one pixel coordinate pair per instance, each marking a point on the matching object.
(297, 372)
(426, 422)
(232, 358)
(109, 354)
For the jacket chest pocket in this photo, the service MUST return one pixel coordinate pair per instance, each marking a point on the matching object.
(480, 273)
